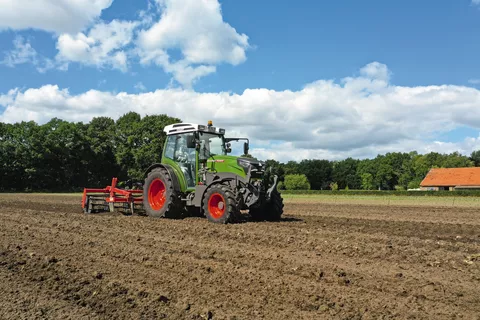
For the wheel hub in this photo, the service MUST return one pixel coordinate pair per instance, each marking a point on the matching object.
(156, 194)
(216, 205)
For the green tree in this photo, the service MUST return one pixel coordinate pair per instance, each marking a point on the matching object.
(101, 138)
(127, 135)
(456, 160)
(318, 172)
(415, 183)
(296, 182)
(65, 162)
(367, 166)
(139, 142)
(384, 176)
(367, 181)
(475, 158)
(275, 168)
(345, 174)
(407, 171)
(291, 167)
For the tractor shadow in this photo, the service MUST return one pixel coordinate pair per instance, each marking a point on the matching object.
(282, 220)
(246, 218)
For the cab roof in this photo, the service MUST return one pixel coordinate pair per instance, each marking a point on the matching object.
(191, 127)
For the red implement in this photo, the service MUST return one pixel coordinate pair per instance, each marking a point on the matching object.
(97, 200)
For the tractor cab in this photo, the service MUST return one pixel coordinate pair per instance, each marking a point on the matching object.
(192, 149)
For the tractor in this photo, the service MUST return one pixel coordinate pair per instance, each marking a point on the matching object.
(196, 173)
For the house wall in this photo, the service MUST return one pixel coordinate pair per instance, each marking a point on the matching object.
(468, 188)
(437, 188)
(429, 188)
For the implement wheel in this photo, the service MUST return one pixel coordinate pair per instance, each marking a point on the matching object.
(219, 204)
(159, 197)
(270, 211)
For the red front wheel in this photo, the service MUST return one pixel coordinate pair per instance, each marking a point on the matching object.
(219, 204)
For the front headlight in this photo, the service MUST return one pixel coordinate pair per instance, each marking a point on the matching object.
(243, 163)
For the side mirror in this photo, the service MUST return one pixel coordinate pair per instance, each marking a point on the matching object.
(245, 148)
(191, 142)
(228, 147)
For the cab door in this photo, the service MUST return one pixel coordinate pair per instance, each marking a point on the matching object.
(183, 158)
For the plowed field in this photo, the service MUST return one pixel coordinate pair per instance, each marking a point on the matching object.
(340, 261)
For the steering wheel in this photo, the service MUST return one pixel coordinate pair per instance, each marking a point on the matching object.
(182, 156)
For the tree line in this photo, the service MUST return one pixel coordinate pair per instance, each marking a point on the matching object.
(392, 171)
(67, 156)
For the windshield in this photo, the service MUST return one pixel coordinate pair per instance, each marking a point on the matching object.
(211, 145)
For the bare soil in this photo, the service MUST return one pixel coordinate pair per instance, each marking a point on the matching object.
(321, 261)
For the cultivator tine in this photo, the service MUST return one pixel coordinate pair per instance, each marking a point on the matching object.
(97, 204)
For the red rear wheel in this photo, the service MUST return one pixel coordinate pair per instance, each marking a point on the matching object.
(156, 194)
(216, 205)
(160, 199)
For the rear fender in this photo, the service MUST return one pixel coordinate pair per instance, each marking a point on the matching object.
(171, 172)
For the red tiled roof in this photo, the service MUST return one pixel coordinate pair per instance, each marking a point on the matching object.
(445, 177)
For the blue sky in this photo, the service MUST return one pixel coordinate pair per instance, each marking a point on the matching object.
(397, 51)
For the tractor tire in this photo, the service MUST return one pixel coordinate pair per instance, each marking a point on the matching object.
(271, 211)
(219, 205)
(160, 200)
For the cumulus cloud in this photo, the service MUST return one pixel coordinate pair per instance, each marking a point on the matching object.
(197, 30)
(23, 52)
(359, 116)
(101, 47)
(193, 29)
(140, 87)
(56, 16)
(376, 70)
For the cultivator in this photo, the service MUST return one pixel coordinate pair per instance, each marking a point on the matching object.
(112, 199)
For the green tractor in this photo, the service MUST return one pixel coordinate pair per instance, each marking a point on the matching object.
(196, 173)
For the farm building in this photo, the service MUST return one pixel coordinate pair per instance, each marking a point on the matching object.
(451, 179)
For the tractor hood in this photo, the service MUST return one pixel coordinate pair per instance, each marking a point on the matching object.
(237, 165)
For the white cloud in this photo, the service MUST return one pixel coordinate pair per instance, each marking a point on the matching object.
(193, 29)
(475, 1)
(197, 30)
(102, 46)
(140, 87)
(50, 15)
(360, 116)
(474, 81)
(22, 53)
(376, 70)
(8, 98)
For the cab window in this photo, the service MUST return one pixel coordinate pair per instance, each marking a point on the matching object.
(177, 150)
